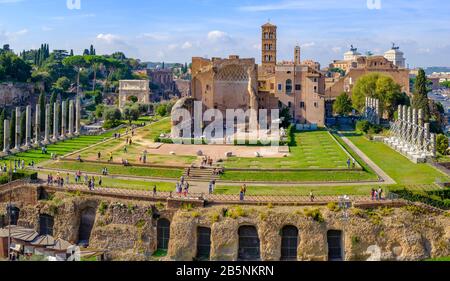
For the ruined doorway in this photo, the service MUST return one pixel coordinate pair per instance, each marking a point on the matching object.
(46, 223)
(335, 250)
(12, 215)
(249, 249)
(87, 221)
(203, 243)
(289, 243)
(163, 234)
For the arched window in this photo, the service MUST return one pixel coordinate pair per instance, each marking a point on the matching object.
(163, 234)
(12, 215)
(288, 86)
(46, 223)
(203, 243)
(334, 240)
(86, 224)
(248, 244)
(289, 243)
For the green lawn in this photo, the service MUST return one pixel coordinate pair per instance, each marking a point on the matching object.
(402, 170)
(313, 150)
(299, 176)
(128, 184)
(116, 169)
(300, 191)
(60, 148)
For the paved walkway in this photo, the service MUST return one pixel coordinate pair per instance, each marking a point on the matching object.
(386, 178)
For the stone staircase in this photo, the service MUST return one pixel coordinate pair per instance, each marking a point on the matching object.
(205, 174)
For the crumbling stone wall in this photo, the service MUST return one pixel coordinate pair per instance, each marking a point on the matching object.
(127, 229)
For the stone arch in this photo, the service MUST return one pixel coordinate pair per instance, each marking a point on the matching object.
(335, 245)
(249, 244)
(289, 243)
(163, 234)
(87, 220)
(203, 243)
(46, 224)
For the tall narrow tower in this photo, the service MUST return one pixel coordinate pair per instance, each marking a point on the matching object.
(297, 53)
(269, 45)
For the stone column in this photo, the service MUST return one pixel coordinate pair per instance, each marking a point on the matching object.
(17, 146)
(426, 136)
(6, 136)
(421, 135)
(55, 121)
(400, 119)
(77, 116)
(47, 124)
(63, 120)
(405, 122)
(28, 126)
(409, 131)
(433, 145)
(377, 111)
(70, 118)
(37, 127)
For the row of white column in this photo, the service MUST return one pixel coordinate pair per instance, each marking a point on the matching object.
(58, 133)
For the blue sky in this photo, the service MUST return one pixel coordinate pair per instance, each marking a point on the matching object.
(176, 30)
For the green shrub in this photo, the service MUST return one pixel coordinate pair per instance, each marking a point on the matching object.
(235, 212)
(333, 206)
(102, 208)
(315, 214)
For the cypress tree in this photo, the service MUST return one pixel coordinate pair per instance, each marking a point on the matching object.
(71, 52)
(12, 129)
(420, 97)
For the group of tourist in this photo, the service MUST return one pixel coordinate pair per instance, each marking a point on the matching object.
(105, 171)
(376, 194)
(182, 187)
(58, 180)
(143, 157)
(351, 164)
(117, 135)
(207, 161)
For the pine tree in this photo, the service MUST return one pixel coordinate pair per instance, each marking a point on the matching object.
(420, 97)
(2, 129)
(12, 129)
(42, 107)
(71, 52)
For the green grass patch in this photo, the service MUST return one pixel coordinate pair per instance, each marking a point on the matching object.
(117, 169)
(299, 176)
(312, 150)
(401, 169)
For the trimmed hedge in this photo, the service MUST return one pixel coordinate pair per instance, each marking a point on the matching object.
(17, 176)
(439, 199)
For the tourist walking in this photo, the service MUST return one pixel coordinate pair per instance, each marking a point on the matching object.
(311, 196)
(100, 181)
(154, 190)
(348, 163)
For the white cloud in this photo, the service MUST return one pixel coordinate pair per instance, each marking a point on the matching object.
(337, 50)
(308, 45)
(157, 36)
(217, 35)
(46, 28)
(108, 38)
(172, 47)
(11, 36)
(186, 45)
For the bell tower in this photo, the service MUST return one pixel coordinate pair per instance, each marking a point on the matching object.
(269, 45)
(297, 53)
